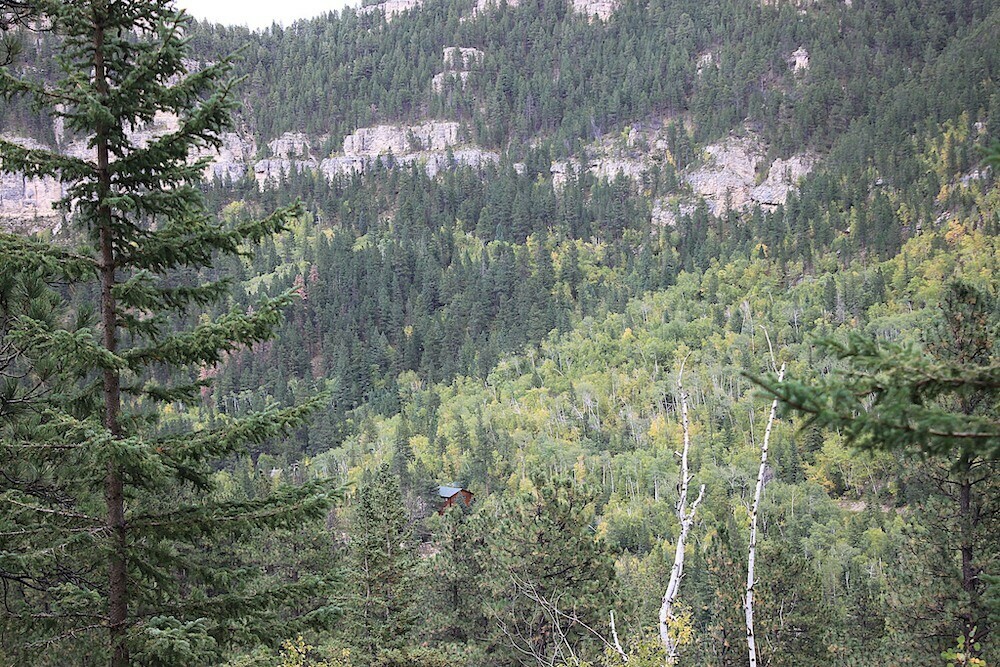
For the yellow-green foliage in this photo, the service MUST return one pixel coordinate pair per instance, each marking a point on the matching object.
(297, 653)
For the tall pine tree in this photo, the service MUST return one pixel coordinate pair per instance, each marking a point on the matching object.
(107, 518)
(383, 561)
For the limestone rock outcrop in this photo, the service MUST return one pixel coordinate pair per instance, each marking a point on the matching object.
(458, 58)
(602, 9)
(439, 81)
(728, 173)
(799, 60)
(390, 7)
(782, 177)
(289, 145)
(728, 179)
(483, 5)
(400, 140)
(435, 145)
(458, 63)
(28, 204)
(666, 212)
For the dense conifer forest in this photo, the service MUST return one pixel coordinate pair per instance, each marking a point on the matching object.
(229, 407)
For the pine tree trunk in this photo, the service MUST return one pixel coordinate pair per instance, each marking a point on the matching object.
(114, 495)
(966, 523)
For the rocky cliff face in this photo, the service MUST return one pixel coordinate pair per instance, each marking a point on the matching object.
(401, 140)
(728, 178)
(799, 60)
(390, 8)
(461, 57)
(601, 9)
(29, 203)
(782, 177)
(733, 174)
(729, 172)
(436, 145)
(458, 61)
(485, 5)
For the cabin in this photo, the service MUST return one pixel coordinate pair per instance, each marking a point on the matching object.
(452, 495)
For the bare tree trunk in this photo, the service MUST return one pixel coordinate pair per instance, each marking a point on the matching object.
(686, 517)
(617, 642)
(114, 491)
(966, 522)
(751, 562)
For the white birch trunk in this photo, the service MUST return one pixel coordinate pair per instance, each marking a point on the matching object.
(751, 562)
(686, 518)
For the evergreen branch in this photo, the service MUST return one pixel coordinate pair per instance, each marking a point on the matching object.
(275, 511)
(253, 429)
(78, 347)
(190, 241)
(199, 129)
(889, 398)
(55, 512)
(72, 633)
(187, 393)
(24, 254)
(11, 87)
(38, 162)
(208, 343)
(142, 292)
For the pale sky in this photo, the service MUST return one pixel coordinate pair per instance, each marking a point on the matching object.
(260, 13)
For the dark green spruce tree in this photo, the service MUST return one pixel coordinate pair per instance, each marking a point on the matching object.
(108, 528)
(383, 577)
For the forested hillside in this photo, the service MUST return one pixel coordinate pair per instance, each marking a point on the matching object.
(553, 259)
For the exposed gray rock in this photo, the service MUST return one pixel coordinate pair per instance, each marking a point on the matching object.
(233, 159)
(484, 5)
(341, 165)
(390, 7)
(28, 203)
(706, 59)
(440, 80)
(728, 177)
(458, 62)
(602, 9)
(290, 145)
(782, 177)
(270, 171)
(728, 174)
(666, 213)
(458, 58)
(606, 168)
(609, 168)
(401, 140)
(799, 60)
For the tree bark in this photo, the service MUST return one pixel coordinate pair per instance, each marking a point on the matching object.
(966, 522)
(114, 493)
(751, 561)
(686, 518)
